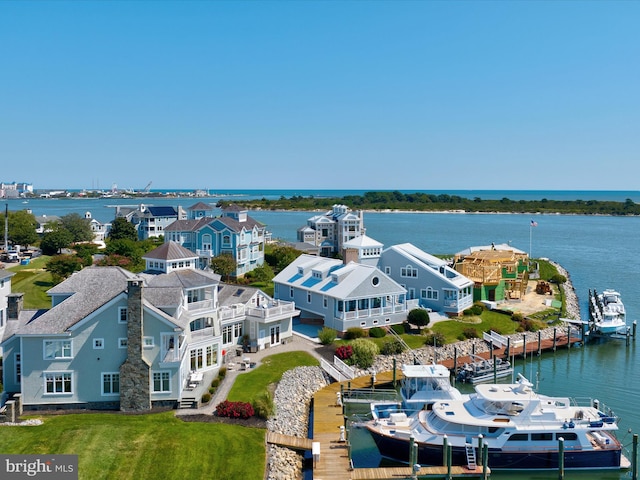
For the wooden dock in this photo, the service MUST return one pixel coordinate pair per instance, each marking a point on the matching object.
(389, 473)
(289, 441)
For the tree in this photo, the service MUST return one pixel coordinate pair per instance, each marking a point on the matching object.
(281, 256)
(121, 230)
(54, 241)
(418, 317)
(224, 265)
(62, 266)
(22, 227)
(79, 227)
(262, 274)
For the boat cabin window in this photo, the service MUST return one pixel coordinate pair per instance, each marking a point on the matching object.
(519, 437)
(568, 436)
(537, 437)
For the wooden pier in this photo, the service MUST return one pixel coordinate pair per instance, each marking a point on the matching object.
(289, 441)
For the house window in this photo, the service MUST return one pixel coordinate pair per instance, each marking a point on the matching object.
(98, 343)
(57, 382)
(226, 240)
(308, 297)
(291, 292)
(375, 322)
(363, 324)
(387, 320)
(123, 315)
(111, 383)
(237, 330)
(212, 356)
(161, 382)
(325, 302)
(197, 359)
(227, 334)
(122, 343)
(408, 272)
(57, 349)
(18, 367)
(147, 342)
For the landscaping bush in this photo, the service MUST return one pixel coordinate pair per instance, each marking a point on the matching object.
(355, 332)
(377, 332)
(475, 309)
(437, 339)
(222, 372)
(470, 332)
(364, 352)
(215, 382)
(528, 325)
(517, 317)
(327, 335)
(418, 317)
(212, 390)
(344, 352)
(234, 409)
(206, 398)
(263, 406)
(398, 328)
(392, 347)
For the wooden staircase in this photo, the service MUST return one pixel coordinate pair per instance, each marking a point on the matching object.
(188, 402)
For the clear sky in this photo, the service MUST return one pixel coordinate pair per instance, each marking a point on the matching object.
(425, 95)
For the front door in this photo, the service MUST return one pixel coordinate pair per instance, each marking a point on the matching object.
(275, 335)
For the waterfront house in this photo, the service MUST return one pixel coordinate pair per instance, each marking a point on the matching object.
(117, 340)
(43, 222)
(342, 296)
(499, 272)
(429, 279)
(234, 232)
(100, 230)
(5, 291)
(150, 221)
(331, 230)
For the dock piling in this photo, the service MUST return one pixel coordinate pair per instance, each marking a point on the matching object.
(634, 460)
(561, 458)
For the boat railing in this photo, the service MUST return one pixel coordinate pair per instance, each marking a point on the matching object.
(370, 395)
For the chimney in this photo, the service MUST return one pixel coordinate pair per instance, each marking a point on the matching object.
(14, 305)
(135, 372)
(350, 255)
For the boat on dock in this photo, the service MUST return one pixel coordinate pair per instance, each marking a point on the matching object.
(521, 429)
(480, 370)
(607, 314)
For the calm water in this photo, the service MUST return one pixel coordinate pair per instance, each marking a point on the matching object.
(599, 252)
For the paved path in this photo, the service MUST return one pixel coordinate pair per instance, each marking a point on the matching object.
(299, 343)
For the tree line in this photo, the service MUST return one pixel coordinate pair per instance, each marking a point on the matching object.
(426, 202)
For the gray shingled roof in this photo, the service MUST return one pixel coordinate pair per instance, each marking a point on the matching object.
(170, 251)
(231, 294)
(237, 226)
(200, 206)
(187, 225)
(89, 289)
(184, 279)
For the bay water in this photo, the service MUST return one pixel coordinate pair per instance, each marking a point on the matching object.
(598, 252)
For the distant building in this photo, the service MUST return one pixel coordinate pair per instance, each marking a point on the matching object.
(150, 221)
(233, 232)
(331, 230)
(43, 220)
(15, 189)
(100, 230)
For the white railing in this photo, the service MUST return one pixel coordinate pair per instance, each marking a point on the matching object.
(202, 333)
(343, 368)
(205, 253)
(228, 313)
(271, 310)
(201, 305)
(333, 371)
(495, 338)
(173, 355)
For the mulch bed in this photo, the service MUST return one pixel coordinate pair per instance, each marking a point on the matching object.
(252, 422)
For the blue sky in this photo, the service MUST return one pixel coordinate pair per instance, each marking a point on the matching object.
(355, 94)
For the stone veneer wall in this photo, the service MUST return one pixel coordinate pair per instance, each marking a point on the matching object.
(135, 381)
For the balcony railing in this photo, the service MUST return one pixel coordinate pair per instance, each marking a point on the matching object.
(202, 333)
(228, 313)
(271, 310)
(173, 355)
(201, 305)
(205, 253)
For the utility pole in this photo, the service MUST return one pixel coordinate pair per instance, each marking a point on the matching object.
(6, 227)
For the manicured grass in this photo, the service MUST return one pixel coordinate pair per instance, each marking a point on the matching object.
(249, 385)
(138, 447)
(34, 282)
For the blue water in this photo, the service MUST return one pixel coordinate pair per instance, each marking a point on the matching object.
(598, 251)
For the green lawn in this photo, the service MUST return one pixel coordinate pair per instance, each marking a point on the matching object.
(33, 281)
(249, 385)
(138, 447)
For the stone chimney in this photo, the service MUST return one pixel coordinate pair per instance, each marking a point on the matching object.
(350, 255)
(14, 305)
(135, 372)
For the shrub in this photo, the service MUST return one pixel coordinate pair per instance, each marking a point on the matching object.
(234, 409)
(215, 383)
(470, 332)
(344, 352)
(377, 332)
(438, 339)
(528, 325)
(212, 390)
(398, 328)
(392, 347)
(517, 317)
(263, 406)
(222, 372)
(206, 398)
(558, 278)
(418, 317)
(327, 335)
(475, 309)
(354, 332)
(364, 352)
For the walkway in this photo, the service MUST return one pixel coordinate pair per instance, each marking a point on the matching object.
(298, 343)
